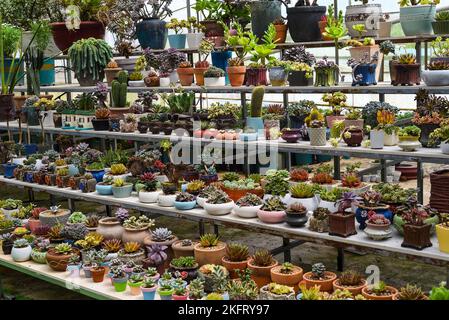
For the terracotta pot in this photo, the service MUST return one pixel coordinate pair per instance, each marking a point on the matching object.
(235, 195)
(134, 235)
(281, 33)
(111, 74)
(354, 290)
(406, 74)
(369, 296)
(110, 228)
(199, 75)
(64, 37)
(261, 275)
(342, 225)
(58, 262)
(356, 138)
(182, 251)
(185, 76)
(211, 255)
(331, 119)
(98, 274)
(232, 266)
(291, 279)
(236, 75)
(417, 237)
(325, 285)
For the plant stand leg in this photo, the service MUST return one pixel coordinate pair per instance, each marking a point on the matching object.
(340, 259)
(201, 227)
(52, 200)
(216, 231)
(108, 211)
(383, 170)
(287, 253)
(420, 182)
(71, 204)
(3, 295)
(337, 169)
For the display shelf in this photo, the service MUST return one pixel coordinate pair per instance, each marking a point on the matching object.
(360, 241)
(381, 88)
(85, 286)
(430, 155)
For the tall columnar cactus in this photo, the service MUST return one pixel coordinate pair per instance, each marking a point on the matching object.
(256, 101)
(119, 90)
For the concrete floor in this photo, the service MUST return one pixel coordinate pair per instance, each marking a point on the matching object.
(393, 271)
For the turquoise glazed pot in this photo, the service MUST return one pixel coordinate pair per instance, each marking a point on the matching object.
(104, 190)
(47, 73)
(152, 33)
(417, 20)
(185, 205)
(177, 41)
(122, 192)
(148, 293)
(256, 123)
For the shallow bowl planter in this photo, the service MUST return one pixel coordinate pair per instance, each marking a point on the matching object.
(310, 203)
(271, 216)
(166, 200)
(148, 197)
(378, 232)
(122, 192)
(185, 205)
(214, 82)
(435, 77)
(265, 294)
(219, 209)
(247, 212)
(103, 189)
(50, 219)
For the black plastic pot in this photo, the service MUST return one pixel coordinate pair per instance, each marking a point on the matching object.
(298, 79)
(303, 22)
(426, 130)
(100, 124)
(7, 247)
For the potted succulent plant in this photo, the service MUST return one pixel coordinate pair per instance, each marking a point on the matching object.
(168, 196)
(241, 41)
(416, 230)
(407, 70)
(111, 71)
(135, 79)
(121, 189)
(275, 291)
(278, 71)
(132, 251)
(321, 277)
(329, 198)
(408, 138)
(236, 259)
(209, 250)
(261, 264)
(119, 279)
(287, 274)
(281, 30)
(319, 221)
(410, 292)
(21, 250)
(304, 193)
(248, 206)
(105, 187)
(379, 291)
(214, 77)
(327, 73)
(296, 215)
(305, 15)
(58, 257)
(101, 121)
(135, 283)
(136, 228)
(96, 61)
(317, 133)
(185, 73)
(148, 288)
(342, 222)
(371, 204)
(148, 188)
(377, 226)
(219, 204)
(272, 211)
(195, 35)
(178, 39)
(350, 280)
(441, 23)
(185, 201)
(300, 69)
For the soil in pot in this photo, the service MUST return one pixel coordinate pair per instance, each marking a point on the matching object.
(181, 248)
(325, 282)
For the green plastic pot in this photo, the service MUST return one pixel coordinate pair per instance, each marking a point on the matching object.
(120, 284)
(165, 294)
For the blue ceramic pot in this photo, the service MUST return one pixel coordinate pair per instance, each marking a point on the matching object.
(9, 170)
(177, 41)
(104, 190)
(417, 20)
(122, 192)
(97, 174)
(220, 60)
(364, 75)
(361, 214)
(28, 177)
(47, 73)
(185, 205)
(256, 123)
(30, 149)
(152, 33)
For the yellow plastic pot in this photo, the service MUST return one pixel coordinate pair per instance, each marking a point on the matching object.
(443, 237)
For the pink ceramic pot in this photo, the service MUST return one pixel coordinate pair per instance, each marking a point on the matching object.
(271, 216)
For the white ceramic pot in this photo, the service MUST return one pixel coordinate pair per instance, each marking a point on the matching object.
(310, 203)
(247, 212)
(194, 40)
(377, 139)
(174, 78)
(19, 161)
(149, 197)
(367, 14)
(39, 165)
(331, 206)
(445, 147)
(47, 118)
(214, 82)
(165, 200)
(201, 201)
(8, 213)
(391, 139)
(164, 82)
(138, 83)
(21, 254)
(218, 209)
(435, 77)
(127, 64)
